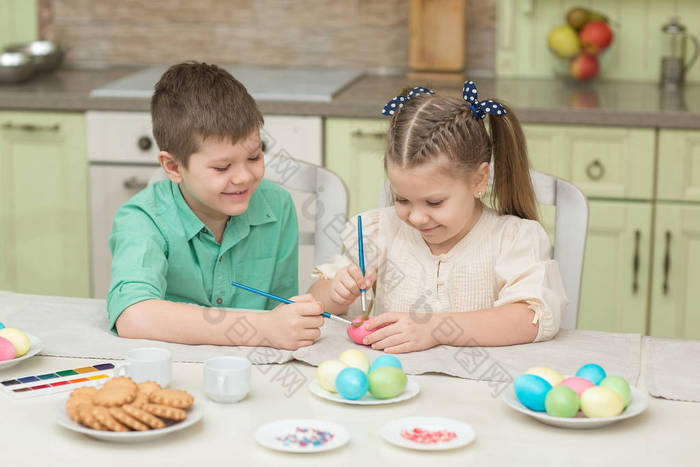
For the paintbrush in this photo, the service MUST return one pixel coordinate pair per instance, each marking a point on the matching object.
(325, 314)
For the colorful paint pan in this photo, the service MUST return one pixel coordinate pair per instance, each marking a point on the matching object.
(58, 381)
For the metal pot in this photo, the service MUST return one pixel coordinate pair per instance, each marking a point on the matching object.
(16, 67)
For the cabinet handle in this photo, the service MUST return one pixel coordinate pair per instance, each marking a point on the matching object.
(371, 134)
(667, 262)
(635, 261)
(595, 170)
(31, 127)
(133, 183)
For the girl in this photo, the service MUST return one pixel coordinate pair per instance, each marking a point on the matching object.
(449, 269)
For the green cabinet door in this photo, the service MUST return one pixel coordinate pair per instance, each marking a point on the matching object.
(679, 165)
(43, 204)
(616, 267)
(602, 162)
(19, 21)
(354, 149)
(675, 287)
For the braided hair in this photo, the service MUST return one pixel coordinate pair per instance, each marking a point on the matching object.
(429, 125)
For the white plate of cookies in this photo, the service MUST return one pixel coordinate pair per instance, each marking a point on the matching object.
(125, 412)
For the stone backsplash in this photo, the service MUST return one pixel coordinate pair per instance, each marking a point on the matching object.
(367, 34)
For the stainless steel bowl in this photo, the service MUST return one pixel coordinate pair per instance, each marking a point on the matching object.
(16, 67)
(47, 55)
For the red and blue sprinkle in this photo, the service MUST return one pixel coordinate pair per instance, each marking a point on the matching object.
(306, 437)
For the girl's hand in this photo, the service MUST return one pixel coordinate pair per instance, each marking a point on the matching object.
(346, 285)
(402, 332)
(294, 325)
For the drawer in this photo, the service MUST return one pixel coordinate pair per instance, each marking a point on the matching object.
(602, 162)
(679, 165)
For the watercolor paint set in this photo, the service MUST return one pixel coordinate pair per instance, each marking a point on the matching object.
(59, 381)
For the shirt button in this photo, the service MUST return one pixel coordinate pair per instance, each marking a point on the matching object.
(205, 230)
(219, 301)
(220, 257)
(443, 258)
(440, 282)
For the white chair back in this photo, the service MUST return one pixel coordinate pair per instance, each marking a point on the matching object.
(570, 227)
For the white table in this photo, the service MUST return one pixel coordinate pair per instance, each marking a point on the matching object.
(666, 434)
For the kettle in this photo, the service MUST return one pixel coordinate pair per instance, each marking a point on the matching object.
(673, 61)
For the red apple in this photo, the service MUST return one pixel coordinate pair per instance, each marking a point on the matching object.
(595, 36)
(583, 67)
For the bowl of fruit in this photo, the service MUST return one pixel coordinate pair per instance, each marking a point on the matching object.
(581, 43)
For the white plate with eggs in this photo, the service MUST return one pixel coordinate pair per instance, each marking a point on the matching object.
(35, 347)
(412, 390)
(639, 401)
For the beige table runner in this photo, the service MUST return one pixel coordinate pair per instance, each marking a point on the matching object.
(672, 368)
(72, 327)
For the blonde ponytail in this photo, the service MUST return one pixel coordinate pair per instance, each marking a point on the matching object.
(512, 187)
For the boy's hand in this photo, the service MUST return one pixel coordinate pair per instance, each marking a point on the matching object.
(347, 283)
(294, 325)
(402, 332)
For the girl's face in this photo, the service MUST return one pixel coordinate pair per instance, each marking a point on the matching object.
(441, 204)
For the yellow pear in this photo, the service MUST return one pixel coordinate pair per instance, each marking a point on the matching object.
(564, 41)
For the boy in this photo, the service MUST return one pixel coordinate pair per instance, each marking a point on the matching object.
(180, 242)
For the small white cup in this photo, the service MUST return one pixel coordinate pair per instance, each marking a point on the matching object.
(147, 364)
(227, 378)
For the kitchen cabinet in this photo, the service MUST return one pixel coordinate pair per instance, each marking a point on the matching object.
(675, 295)
(44, 245)
(679, 165)
(18, 21)
(354, 149)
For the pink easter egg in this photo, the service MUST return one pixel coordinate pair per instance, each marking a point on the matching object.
(7, 350)
(357, 334)
(577, 384)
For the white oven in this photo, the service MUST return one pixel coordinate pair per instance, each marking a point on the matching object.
(123, 156)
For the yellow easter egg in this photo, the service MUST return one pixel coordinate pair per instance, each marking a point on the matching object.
(327, 372)
(18, 339)
(355, 359)
(599, 401)
(553, 377)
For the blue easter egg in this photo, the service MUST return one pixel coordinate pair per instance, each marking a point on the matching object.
(532, 391)
(1, 325)
(385, 360)
(592, 372)
(351, 383)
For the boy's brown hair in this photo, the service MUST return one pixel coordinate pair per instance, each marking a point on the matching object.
(195, 101)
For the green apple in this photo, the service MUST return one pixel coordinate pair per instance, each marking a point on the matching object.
(386, 382)
(564, 41)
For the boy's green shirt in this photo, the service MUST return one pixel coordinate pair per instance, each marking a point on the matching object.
(161, 250)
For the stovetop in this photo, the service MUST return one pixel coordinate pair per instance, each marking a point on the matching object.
(280, 84)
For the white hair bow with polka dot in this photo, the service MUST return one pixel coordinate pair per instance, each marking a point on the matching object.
(480, 108)
(397, 102)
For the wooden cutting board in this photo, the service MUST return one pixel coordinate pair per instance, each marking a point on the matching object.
(437, 43)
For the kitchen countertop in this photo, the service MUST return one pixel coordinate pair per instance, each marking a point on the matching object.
(535, 101)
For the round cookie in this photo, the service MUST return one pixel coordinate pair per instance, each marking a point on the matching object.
(113, 397)
(165, 411)
(147, 387)
(144, 417)
(172, 398)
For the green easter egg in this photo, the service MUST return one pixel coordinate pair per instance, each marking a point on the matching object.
(619, 385)
(387, 382)
(561, 401)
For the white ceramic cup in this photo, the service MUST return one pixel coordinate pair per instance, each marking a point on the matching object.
(227, 378)
(147, 364)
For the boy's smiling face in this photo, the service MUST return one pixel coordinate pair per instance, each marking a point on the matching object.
(220, 177)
